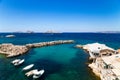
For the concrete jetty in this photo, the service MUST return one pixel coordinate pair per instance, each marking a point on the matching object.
(11, 50)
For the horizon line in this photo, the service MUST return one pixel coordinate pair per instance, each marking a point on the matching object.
(61, 32)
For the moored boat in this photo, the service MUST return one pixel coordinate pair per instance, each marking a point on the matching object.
(32, 72)
(18, 62)
(10, 36)
(38, 74)
(28, 67)
(15, 61)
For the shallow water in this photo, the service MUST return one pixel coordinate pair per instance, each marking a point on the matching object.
(61, 62)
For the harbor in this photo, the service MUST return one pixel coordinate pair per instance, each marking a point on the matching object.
(59, 39)
(61, 62)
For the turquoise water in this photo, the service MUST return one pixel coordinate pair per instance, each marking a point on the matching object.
(61, 62)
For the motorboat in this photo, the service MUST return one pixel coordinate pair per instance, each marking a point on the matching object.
(18, 62)
(38, 74)
(28, 67)
(31, 73)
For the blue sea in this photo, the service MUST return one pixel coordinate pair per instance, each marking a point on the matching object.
(60, 62)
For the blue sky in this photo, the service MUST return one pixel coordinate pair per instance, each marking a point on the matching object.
(59, 15)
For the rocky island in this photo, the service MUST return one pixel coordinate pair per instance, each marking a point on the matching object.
(11, 50)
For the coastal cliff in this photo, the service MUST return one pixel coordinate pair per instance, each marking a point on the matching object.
(11, 50)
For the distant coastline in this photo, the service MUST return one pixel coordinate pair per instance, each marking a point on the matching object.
(109, 32)
(32, 32)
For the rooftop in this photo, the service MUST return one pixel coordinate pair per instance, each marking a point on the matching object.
(114, 61)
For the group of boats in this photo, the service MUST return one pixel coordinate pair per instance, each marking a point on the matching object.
(35, 73)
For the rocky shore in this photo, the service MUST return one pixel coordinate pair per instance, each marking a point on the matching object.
(11, 50)
(105, 60)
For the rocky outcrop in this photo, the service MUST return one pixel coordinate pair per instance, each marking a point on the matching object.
(118, 50)
(79, 46)
(11, 50)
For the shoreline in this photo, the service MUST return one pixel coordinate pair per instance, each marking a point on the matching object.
(89, 63)
(92, 67)
(93, 73)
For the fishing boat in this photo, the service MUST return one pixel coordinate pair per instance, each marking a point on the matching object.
(18, 62)
(28, 67)
(38, 74)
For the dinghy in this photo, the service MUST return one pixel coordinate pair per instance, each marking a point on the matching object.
(15, 61)
(31, 73)
(19, 62)
(38, 74)
(28, 67)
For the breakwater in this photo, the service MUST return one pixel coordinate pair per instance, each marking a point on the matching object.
(42, 44)
(11, 50)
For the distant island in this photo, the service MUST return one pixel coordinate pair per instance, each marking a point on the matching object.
(109, 32)
(28, 31)
(51, 31)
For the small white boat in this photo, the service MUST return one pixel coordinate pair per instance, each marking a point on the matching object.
(15, 61)
(18, 62)
(28, 67)
(31, 73)
(10, 36)
(38, 74)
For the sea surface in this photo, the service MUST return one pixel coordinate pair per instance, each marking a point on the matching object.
(60, 62)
